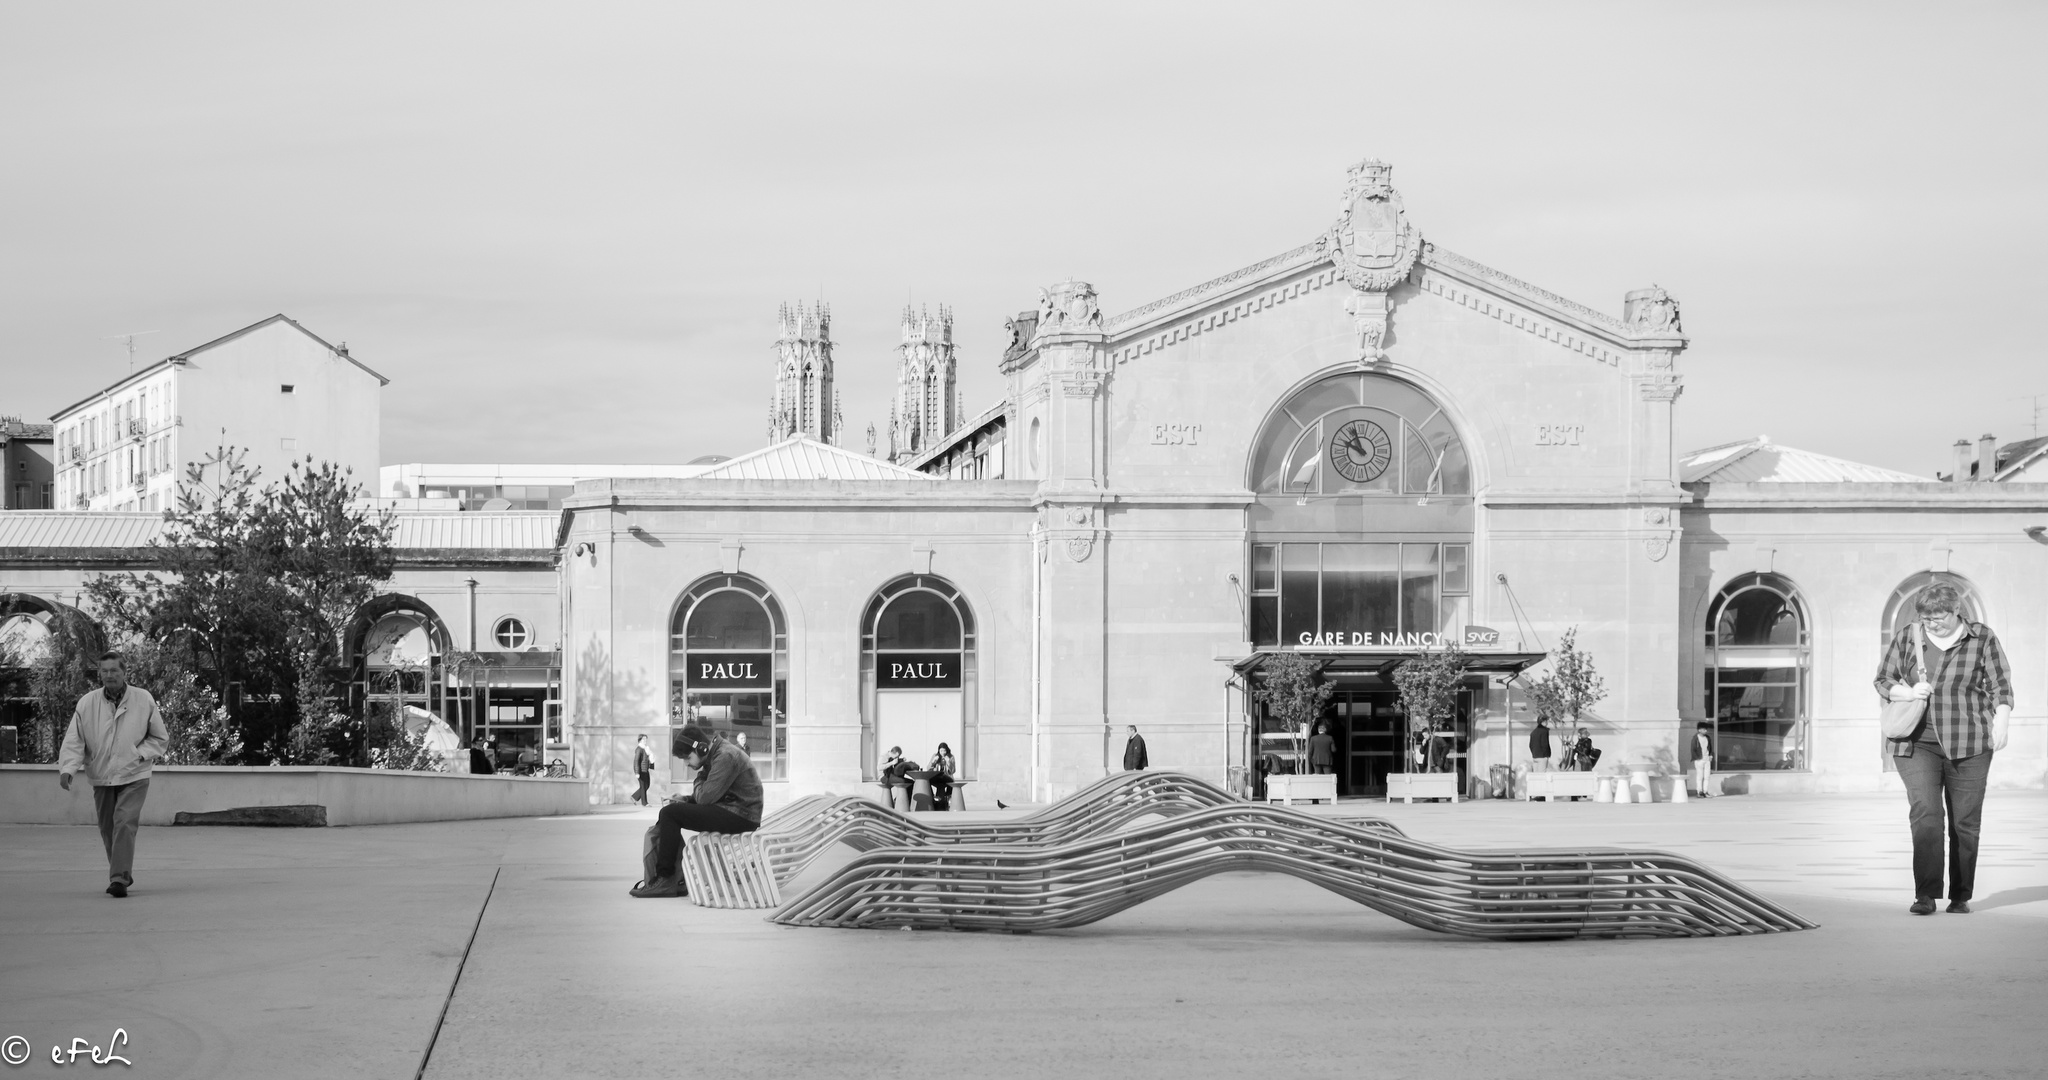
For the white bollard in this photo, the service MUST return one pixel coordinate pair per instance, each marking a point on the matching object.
(1621, 791)
(1678, 787)
(1603, 789)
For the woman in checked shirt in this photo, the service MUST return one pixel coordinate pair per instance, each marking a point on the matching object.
(1968, 690)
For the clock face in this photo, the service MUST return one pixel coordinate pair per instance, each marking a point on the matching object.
(1360, 451)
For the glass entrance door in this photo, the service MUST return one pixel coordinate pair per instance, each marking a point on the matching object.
(1373, 740)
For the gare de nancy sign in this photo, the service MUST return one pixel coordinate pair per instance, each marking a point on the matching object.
(1481, 637)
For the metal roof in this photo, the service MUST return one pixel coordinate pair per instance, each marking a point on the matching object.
(72, 529)
(57, 530)
(1759, 460)
(801, 457)
(492, 530)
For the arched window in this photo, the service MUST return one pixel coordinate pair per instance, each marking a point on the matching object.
(1360, 433)
(918, 670)
(729, 668)
(1758, 657)
(1362, 532)
(1899, 609)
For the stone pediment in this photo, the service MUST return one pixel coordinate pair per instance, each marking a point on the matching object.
(1374, 252)
(1441, 273)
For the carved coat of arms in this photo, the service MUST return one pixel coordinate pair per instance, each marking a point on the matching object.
(1375, 245)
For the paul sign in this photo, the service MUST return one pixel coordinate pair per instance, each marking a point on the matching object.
(730, 671)
(917, 671)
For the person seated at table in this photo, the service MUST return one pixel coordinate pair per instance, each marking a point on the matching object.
(894, 766)
(725, 797)
(943, 768)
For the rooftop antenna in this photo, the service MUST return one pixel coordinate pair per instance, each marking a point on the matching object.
(130, 339)
(2035, 399)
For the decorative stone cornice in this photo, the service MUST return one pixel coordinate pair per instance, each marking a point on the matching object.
(1306, 255)
(1131, 348)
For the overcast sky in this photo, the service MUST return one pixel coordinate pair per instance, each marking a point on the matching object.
(562, 231)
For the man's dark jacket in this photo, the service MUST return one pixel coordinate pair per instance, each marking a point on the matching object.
(1134, 754)
(727, 780)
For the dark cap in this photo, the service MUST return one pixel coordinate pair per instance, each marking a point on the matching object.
(687, 739)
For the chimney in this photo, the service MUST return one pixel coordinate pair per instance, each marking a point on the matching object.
(1962, 462)
(1987, 456)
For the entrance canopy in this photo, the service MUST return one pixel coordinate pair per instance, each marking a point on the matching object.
(1383, 662)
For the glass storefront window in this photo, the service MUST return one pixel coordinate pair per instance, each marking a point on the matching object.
(1758, 659)
(729, 664)
(1359, 595)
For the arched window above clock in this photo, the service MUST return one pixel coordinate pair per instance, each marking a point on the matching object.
(1360, 433)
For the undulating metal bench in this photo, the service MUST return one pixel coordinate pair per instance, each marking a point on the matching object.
(1526, 895)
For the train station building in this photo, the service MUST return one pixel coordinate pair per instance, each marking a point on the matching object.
(1360, 448)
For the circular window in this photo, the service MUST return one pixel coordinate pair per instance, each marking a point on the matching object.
(512, 633)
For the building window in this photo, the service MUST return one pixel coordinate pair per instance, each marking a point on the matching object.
(1758, 657)
(1900, 609)
(285, 388)
(918, 674)
(729, 668)
(511, 633)
(1350, 595)
(1360, 434)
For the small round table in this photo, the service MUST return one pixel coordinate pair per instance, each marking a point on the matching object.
(920, 788)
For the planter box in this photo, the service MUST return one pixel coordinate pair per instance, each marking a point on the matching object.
(1409, 787)
(1557, 785)
(29, 794)
(1285, 788)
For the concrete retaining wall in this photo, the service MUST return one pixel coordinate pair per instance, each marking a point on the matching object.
(29, 794)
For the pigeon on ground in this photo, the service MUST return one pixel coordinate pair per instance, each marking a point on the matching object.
(1000, 805)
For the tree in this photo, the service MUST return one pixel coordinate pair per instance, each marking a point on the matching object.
(1429, 686)
(253, 586)
(1294, 693)
(1576, 685)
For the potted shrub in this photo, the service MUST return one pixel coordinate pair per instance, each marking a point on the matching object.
(1429, 686)
(1294, 693)
(1572, 687)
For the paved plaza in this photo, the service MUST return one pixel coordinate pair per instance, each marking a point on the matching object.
(316, 953)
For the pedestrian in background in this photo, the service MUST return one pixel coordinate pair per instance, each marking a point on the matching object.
(1322, 752)
(1539, 745)
(1583, 756)
(1135, 757)
(114, 738)
(1968, 690)
(643, 767)
(480, 758)
(1702, 757)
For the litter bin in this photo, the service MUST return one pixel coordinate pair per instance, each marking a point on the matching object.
(1503, 781)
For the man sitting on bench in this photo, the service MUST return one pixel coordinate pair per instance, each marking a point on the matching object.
(725, 798)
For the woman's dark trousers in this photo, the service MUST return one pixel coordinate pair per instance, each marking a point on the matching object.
(1932, 779)
(677, 816)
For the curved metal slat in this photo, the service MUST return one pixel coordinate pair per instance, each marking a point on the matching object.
(797, 835)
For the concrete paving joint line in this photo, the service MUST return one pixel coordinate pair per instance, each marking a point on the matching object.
(428, 1054)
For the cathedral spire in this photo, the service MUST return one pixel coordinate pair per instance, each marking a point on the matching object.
(926, 407)
(805, 400)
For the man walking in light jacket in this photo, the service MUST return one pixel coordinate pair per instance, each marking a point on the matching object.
(114, 737)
